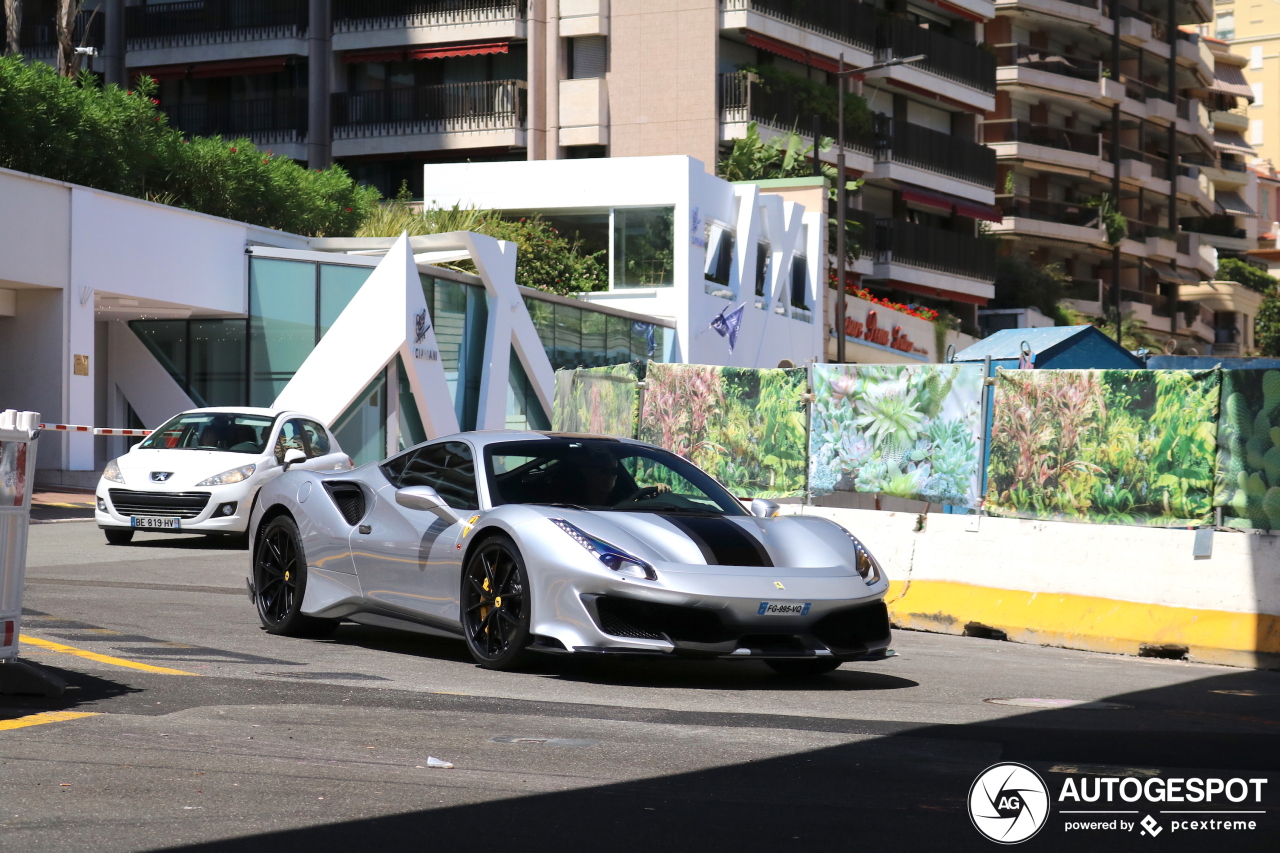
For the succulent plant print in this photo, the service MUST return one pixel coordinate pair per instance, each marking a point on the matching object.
(1106, 446)
(901, 430)
(600, 400)
(1247, 486)
(745, 427)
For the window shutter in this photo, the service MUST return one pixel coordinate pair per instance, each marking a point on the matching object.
(589, 57)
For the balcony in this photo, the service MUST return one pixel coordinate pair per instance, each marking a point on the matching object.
(845, 21)
(363, 24)
(909, 244)
(195, 22)
(39, 35)
(1058, 142)
(461, 115)
(932, 151)
(1051, 219)
(1040, 59)
(263, 120)
(945, 56)
(745, 98)
(1158, 304)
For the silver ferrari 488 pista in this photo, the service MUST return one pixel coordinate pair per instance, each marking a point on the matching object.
(523, 542)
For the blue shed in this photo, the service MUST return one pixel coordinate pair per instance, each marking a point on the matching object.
(1207, 362)
(1055, 348)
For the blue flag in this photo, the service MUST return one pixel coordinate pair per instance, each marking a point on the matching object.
(727, 325)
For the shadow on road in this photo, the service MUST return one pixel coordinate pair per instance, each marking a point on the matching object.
(82, 689)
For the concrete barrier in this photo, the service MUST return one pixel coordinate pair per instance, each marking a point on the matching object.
(1107, 588)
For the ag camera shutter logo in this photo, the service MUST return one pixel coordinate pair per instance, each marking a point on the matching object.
(1008, 803)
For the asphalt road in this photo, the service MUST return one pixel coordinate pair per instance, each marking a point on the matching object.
(281, 744)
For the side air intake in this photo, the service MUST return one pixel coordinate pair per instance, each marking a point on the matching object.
(349, 498)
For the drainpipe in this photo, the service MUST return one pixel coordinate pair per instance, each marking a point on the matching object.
(113, 46)
(319, 74)
(1173, 154)
(553, 79)
(1115, 159)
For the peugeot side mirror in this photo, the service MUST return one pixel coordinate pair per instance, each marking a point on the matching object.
(426, 499)
(762, 508)
(293, 455)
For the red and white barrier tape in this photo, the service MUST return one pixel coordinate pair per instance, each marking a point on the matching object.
(94, 430)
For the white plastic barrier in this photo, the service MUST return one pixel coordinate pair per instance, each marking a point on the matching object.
(18, 434)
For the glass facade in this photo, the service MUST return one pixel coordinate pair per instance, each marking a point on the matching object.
(293, 304)
(644, 247)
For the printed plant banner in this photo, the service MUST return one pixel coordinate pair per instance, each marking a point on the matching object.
(1108, 446)
(1248, 483)
(744, 426)
(599, 400)
(903, 430)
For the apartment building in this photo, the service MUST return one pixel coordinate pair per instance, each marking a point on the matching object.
(1103, 97)
(1253, 31)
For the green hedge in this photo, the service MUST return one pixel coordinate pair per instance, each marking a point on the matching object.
(72, 129)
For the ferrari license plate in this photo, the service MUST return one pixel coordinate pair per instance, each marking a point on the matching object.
(784, 608)
(149, 522)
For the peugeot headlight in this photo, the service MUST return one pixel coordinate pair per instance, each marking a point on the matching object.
(226, 478)
(867, 566)
(112, 472)
(615, 558)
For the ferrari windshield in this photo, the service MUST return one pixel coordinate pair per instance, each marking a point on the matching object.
(229, 431)
(599, 474)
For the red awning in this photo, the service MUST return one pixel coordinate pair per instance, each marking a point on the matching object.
(373, 56)
(938, 292)
(974, 210)
(937, 201)
(952, 204)
(804, 57)
(442, 51)
(261, 65)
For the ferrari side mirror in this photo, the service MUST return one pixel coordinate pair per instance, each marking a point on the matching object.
(426, 499)
(293, 455)
(762, 508)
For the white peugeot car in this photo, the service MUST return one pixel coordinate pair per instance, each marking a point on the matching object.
(201, 471)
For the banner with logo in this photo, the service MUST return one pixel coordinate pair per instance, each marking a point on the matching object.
(1106, 446)
(903, 430)
(599, 400)
(1248, 482)
(744, 426)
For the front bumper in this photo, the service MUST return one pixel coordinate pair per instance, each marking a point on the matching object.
(209, 519)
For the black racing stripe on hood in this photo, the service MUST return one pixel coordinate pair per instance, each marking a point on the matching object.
(721, 542)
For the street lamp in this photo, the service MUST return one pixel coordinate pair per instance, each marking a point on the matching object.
(841, 200)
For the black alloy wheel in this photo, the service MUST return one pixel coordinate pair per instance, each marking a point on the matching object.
(280, 581)
(495, 605)
(803, 667)
(118, 535)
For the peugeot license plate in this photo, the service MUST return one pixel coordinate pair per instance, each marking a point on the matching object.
(152, 523)
(784, 608)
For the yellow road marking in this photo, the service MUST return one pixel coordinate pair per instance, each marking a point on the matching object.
(41, 719)
(62, 505)
(72, 650)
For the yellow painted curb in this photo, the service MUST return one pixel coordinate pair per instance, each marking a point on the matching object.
(41, 719)
(88, 655)
(1085, 622)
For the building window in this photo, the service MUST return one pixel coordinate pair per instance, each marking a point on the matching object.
(1255, 131)
(1255, 58)
(588, 57)
(1225, 25)
(362, 429)
(1264, 208)
(799, 282)
(718, 269)
(1257, 93)
(764, 265)
(643, 247)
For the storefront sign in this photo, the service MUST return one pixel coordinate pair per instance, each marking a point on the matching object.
(871, 331)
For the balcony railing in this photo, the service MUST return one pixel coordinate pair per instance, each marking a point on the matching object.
(843, 20)
(1042, 59)
(1232, 165)
(1161, 305)
(777, 105)
(264, 120)
(1014, 130)
(1192, 311)
(39, 35)
(899, 242)
(1159, 165)
(356, 15)
(451, 107)
(1217, 226)
(1159, 27)
(211, 21)
(1047, 210)
(945, 56)
(943, 153)
(1084, 289)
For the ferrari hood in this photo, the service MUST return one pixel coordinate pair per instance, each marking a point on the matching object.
(704, 543)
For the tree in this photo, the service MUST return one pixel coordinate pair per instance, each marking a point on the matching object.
(1023, 284)
(13, 27)
(1266, 334)
(1134, 334)
(1234, 269)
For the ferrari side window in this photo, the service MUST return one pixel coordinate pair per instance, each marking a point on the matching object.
(448, 468)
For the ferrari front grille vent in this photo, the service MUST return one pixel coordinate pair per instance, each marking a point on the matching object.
(349, 498)
(854, 627)
(627, 617)
(168, 504)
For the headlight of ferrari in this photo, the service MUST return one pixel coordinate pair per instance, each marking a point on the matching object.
(226, 478)
(112, 472)
(866, 564)
(615, 558)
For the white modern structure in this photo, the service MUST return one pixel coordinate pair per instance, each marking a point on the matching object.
(679, 243)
